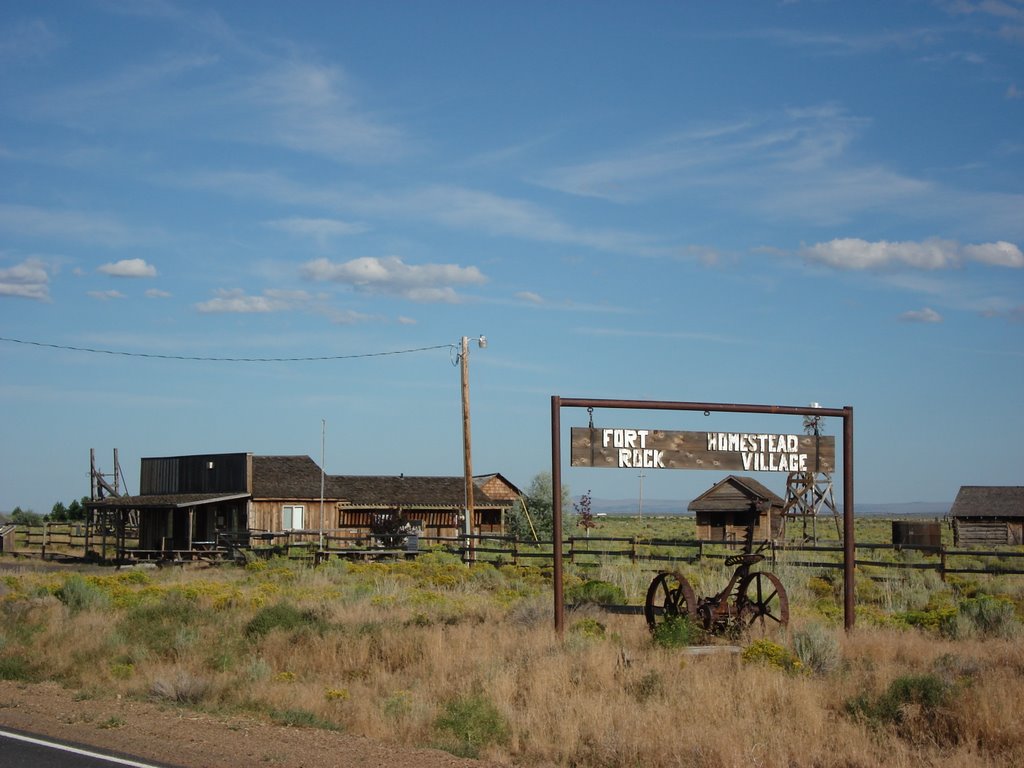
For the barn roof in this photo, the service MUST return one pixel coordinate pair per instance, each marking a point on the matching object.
(407, 491)
(731, 492)
(286, 477)
(989, 501)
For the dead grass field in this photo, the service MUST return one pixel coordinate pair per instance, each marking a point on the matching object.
(434, 654)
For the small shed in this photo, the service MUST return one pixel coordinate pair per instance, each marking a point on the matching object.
(737, 509)
(988, 515)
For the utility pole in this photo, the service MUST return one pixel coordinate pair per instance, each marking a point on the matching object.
(467, 451)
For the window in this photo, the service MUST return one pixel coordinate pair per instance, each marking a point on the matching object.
(291, 518)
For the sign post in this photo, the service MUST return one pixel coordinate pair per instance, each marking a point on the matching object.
(626, 447)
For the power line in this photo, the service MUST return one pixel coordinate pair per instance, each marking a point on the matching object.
(222, 359)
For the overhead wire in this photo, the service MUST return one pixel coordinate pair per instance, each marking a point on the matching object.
(154, 355)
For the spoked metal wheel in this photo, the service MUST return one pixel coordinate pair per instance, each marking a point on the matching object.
(669, 596)
(762, 603)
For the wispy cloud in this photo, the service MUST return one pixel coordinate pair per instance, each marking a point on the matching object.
(28, 280)
(156, 293)
(129, 268)
(391, 275)
(925, 315)
(80, 226)
(933, 254)
(106, 295)
(27, 42)
(320, 230)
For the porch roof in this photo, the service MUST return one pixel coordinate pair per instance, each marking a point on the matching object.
(166, 501)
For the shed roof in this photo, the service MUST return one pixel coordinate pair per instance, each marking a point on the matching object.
(733, 492)
(164, 501)
(989, 501)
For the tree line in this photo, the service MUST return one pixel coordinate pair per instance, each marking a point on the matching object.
(60, 513)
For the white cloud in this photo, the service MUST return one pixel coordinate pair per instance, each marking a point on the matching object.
(530, 297)
(129, 268)
(156, 293)
(1001, 254)
(390, 275)
(1013, 92)
(28, 280)
(238, 302)
(933, 254)
(106, 295)
(925, 315)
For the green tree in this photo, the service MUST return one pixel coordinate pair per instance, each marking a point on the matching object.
(21, 516)
(537, 500)
(59, 513)
(76, 509)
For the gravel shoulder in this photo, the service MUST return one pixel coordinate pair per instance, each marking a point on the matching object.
(191, 739)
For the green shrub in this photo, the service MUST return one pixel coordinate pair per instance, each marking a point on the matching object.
(651, 685)
(771, 654)
(165, 628)
(677, 632)
(16, 667)
(991, 616)
(588, 628)
(80, 595)
(596, 593)
(301, 718)
(928, 692)
(471, 723)
(817, 649)
(284, 616)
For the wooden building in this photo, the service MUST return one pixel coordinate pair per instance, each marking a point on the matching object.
(988, 515)
(433, 504)
(737, 508)
(189, 503)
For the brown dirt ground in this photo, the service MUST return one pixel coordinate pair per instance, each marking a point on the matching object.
(150, 731)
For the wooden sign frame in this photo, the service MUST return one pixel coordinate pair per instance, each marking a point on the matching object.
(845, 413)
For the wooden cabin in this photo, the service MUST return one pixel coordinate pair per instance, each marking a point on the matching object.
(188, 503)
(988, 515)
(432, 504)
(737, 508)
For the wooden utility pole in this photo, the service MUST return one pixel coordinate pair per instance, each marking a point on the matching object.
(467, 451)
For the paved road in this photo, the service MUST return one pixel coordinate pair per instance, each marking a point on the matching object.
(25, 750)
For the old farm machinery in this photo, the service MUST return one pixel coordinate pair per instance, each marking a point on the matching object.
(751, 601)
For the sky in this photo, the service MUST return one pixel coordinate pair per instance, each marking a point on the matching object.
(772, 203)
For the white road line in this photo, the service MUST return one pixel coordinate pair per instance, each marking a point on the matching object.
(76, 750)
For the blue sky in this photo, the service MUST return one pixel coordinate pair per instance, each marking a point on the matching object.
(768, 203)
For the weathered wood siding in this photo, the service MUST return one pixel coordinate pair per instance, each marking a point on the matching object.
(266, 514)
(976, 532)
(210, 473)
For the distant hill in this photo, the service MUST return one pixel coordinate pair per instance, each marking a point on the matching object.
(677, 507)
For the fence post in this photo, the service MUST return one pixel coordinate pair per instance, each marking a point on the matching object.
(632, 549)
(700, 552)
(942, 563)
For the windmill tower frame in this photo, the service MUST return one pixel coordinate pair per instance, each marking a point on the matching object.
(809, 494)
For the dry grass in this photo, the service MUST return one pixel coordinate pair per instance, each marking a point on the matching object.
(438, 654)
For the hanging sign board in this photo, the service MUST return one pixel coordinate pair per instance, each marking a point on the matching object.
(661, 449)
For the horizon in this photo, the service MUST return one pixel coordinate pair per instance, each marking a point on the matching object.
(224, 226)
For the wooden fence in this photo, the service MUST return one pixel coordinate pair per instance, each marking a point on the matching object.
(69, 540)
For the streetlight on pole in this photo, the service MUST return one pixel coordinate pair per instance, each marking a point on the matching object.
(467, 453)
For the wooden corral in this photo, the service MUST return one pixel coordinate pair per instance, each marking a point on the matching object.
(737, 508)
(988, 515)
